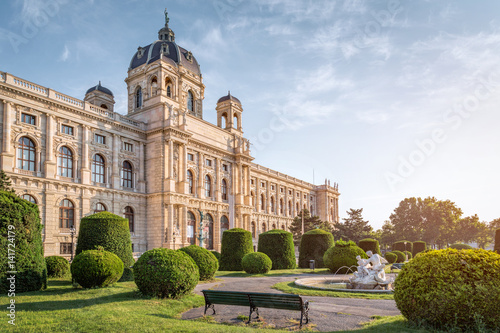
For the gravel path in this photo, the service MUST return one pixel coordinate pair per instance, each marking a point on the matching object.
(325, 313)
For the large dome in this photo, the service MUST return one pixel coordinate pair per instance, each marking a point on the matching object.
(165, 48)
(100, 88)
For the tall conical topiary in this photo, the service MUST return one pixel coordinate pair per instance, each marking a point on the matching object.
(278, 245)
(21, 248)
(109, 231)
(235, 244)
(313, 246)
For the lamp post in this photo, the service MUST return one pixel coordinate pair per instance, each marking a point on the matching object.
(406, 254)
(72, 231)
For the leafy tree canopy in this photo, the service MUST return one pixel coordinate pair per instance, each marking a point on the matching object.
(353, 228)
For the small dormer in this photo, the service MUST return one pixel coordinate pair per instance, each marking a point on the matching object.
(101, 97)
(229, 113)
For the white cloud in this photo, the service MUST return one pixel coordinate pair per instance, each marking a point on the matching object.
(372, 117)
(65, 54)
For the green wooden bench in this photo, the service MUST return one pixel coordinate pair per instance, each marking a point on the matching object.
(256, 301)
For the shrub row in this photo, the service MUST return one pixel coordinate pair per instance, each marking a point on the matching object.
(313, 246)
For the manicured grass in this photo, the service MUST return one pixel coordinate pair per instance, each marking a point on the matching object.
(291, 288)
(393, 324)
(121, 308)
(277, 272)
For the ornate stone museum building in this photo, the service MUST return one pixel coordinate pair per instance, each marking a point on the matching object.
(157, 166)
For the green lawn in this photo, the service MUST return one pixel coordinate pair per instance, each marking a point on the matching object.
(121, 308)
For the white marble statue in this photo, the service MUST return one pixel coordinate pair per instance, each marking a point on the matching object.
(370, 271)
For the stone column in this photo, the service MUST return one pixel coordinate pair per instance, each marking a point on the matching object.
(182, 169)
(116, 167)
(85, 155)
(7, 123)
(201, 177)
(217, 181)
(50, 162)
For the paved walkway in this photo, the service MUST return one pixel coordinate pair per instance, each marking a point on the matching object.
(325, 313)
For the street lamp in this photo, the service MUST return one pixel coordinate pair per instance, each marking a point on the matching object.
(72, 231)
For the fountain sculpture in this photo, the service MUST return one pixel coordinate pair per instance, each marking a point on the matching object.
(370, 274)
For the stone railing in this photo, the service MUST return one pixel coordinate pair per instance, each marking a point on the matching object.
(68, 100)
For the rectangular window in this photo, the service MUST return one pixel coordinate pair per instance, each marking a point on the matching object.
(290, 192)
(225, 167)
(190, 157)
(262, 184)
(67, 129)
(208, 163)
(28, 119)
(252, 181)
(128, 146)
(100, 139)
(272, 187)
(282, 190)
(66, 248)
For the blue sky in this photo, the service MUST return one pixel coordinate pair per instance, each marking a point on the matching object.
(389, 99)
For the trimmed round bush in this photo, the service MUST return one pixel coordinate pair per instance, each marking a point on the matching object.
(369, 244)
(236, 243)
(57, 266)
(278, 245)
(205, 260)
(463, 293)
(460, 246)
(21, 231)
(256, 263)
(313, 246)
(109, 231)
(216, 254)
(418, 247)
(96, 268)
(400, 246)
(401, 256)
(343, 254)
(391, 257)
(166, 273)
(497, 241)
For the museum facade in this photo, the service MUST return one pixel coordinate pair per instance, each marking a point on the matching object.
(158, 166)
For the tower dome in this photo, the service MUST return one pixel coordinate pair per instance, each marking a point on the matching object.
(100, 88)
(165, 48)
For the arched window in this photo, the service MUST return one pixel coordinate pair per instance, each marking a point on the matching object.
(168, 87)
(290, 207)
(127, 174)
(104, 106)
(208, 186)
(223, 121)
(210, 232)
(190, 182)
(253, 229)
(297, 210)
(138, 98)
(235, 122)
(65, 162)
(26, 153)
(272, 204)
(274, 226)
(224, 189)
(262, 202)
(66, 214)
(263, 227)
(191, 228)
(28, 197)
(224, 225)
(99, 207)
(98, 169)
(254, 201)
(311, 211)
(129, 215)
(190, 102)
(154, 82)
(282, 227)
(281, 206)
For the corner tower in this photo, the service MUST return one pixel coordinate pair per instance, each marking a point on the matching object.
(164, 78)
(229, 112)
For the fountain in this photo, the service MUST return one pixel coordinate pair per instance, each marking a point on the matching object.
(369, 277)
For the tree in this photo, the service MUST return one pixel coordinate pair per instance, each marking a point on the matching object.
(310, 223)
(5, 183)
(468, 229)
(387, 235)
(354, 227)
(407, 219)
(484, 235)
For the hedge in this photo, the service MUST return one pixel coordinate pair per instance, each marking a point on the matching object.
(278, 245)
(21, 232)
(391, 257)
(109, 231)
(165, 273)
(400, 246)
(343, 254)
(369, 244)
(313, 246)
(256, 263)
(462, 295)
(418, 246)
(96, 268)
(57, 267)
(460, 246)
(401, 256)
(236, 243)
(205, 260)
